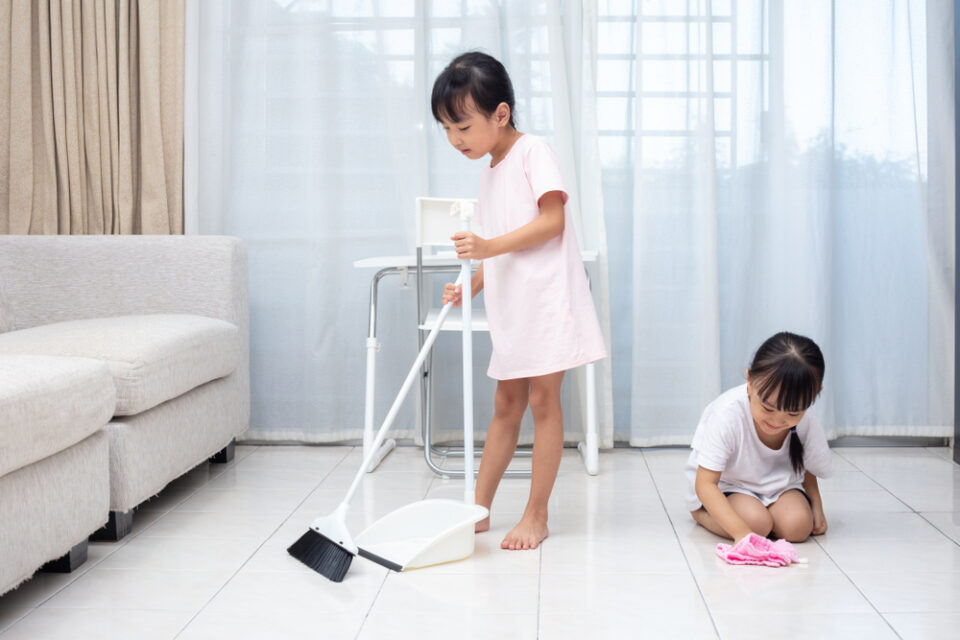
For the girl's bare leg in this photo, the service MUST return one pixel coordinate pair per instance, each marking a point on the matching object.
(792, 516)
(547, 451)
(509, 403)
(757, 516)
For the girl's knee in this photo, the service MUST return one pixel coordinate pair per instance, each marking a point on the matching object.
(792, 517)
(545, 393)
(794, 526)
(544, 402)
(509, 404)
(753, 513)
(795, 535)
(759, 522)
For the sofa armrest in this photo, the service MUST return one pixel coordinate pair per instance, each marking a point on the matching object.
(48, 279)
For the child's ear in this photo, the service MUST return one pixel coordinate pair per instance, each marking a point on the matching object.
(503, 114)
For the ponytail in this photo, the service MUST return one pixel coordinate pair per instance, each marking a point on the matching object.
(796, 451)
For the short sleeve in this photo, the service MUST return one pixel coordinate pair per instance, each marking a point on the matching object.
(715, 440)
(817, 458)
(543, 170)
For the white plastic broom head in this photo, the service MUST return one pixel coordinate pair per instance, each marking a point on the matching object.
(334, 528)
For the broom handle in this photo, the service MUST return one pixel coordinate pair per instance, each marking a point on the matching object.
(401, 396)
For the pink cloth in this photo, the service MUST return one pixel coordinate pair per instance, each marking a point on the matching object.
(538, 304)
(754, 549)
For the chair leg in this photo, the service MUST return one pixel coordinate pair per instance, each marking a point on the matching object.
(69, 561)
(225, 455)
(119, 525)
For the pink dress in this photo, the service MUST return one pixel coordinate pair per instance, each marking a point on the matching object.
(538, 304)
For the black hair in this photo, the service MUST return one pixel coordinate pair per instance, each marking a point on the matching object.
(473, 75)
(792, 366)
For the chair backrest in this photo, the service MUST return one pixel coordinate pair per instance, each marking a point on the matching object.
(435, 224)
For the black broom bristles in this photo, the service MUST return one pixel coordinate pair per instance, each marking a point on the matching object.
(321, 554)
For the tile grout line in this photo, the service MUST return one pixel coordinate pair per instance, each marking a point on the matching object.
(941, 531)
(882, 486)
(539, 588)
(856, 586)
(223, 469)
(912, 510)
(683, 552)
(116, 546)
(843, 571)
(17, 621)
(436, 481)
(366, 615)
(260, 546)
(373, 602)
(895, 497)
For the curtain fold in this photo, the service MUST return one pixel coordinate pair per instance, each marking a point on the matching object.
(783, 182)
(311, 134)
(94, 96)
(759, 165)
(581, 27)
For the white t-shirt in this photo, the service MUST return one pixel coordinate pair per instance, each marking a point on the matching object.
(727, 441)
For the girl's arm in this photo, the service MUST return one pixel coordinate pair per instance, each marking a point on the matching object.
(717, 505)
(816, 503)
(549, 224)
(455, 293)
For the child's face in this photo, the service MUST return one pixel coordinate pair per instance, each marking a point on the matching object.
(767, 419)
(477, 134)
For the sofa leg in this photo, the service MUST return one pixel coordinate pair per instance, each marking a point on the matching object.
(119, 525)
(69, 561)
(224, 455)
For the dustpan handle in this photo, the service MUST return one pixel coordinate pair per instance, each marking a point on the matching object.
(467, 340)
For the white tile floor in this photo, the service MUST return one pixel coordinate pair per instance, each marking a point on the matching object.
(207, 559)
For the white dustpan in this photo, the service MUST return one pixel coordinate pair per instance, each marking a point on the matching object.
(424, 533)
(432, 532)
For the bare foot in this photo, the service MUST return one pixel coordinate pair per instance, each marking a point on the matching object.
(529, 532)
(483, 525)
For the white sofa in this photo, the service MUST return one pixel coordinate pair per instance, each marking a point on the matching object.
(124, 363)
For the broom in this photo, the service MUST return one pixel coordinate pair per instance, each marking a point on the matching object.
(327, 547)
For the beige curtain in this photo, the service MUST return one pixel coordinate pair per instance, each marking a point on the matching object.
(91, 134)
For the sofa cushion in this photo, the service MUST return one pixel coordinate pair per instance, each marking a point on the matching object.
(153, 358)
(48, 404)
(6, 312)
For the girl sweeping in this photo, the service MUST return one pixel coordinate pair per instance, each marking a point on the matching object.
(758, 451)
(541, 316)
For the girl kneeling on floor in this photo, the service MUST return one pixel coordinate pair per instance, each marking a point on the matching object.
(758, 451)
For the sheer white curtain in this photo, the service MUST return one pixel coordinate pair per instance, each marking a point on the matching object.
(760, 165)
(789, 166)
(309, 135)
